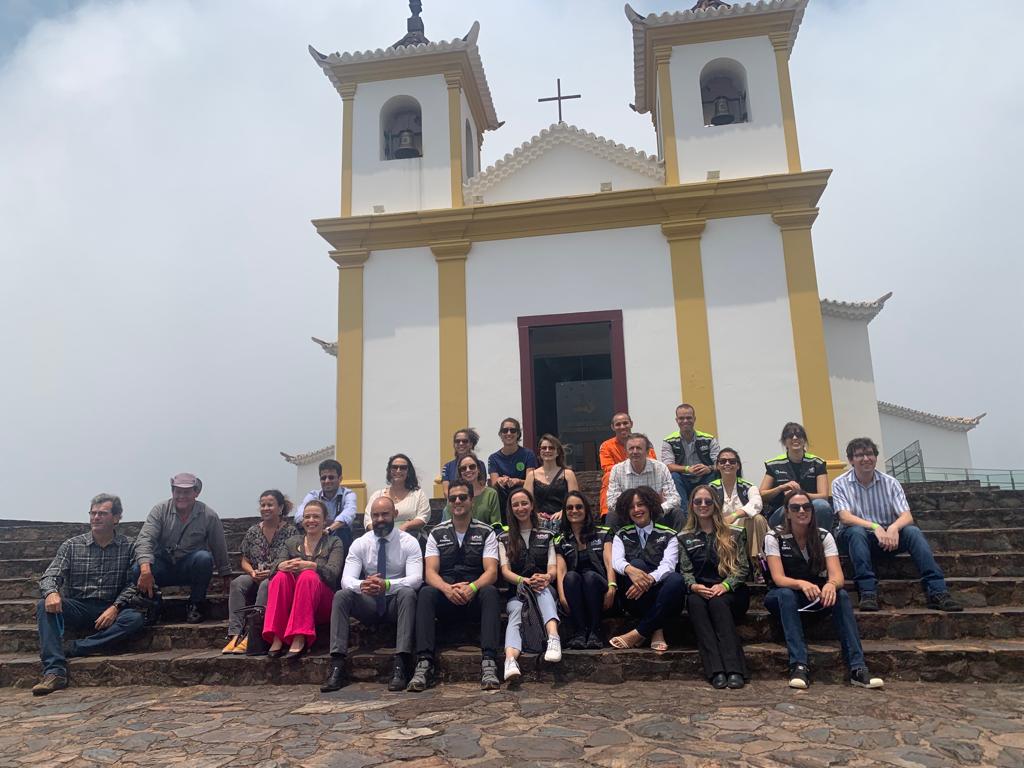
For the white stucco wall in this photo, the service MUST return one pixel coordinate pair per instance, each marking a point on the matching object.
(565, 170)
(753, 148)
(941, 447)
(854, 400)
(307, 478)
(400, 363)
(400, 185)
(581, 272)
(749, 325)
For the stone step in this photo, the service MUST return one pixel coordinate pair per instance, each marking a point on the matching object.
(47, 548)
(976, 540)
(893, 593)
(899, 624)
(33, 567)
(960, 564)
(956, 661)
(26, 530)
(991, 517)
(965, 500)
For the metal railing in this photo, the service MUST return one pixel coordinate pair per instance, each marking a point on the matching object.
(1009, 479)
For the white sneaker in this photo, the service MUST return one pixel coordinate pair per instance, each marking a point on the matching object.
(511, 669)
(554, 651)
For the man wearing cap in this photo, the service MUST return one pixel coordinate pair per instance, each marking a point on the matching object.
(179, 543)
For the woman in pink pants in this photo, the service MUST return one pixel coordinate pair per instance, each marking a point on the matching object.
(305, 576)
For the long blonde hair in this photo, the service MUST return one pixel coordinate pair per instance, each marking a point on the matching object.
(728, 556)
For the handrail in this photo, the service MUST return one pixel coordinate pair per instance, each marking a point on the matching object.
(1012, 479)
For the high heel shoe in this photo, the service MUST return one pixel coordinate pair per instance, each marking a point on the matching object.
(276, 654)
(294, 655)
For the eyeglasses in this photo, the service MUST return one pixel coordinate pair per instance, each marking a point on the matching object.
(572, 507)
(509, 431)
(459, 497)
(547, 448)
(703, 502)
(864, 455)
(799, 507)
(728, 461)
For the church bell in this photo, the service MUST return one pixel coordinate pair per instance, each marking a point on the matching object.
(722, 116)
(406, 145)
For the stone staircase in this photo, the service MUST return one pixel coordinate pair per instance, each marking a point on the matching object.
(977, 534)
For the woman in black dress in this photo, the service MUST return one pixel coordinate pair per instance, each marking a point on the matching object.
(551, 481)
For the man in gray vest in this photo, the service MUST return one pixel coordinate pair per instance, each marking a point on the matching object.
(689, 453)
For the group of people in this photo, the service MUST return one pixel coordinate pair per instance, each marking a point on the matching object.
(681, 532)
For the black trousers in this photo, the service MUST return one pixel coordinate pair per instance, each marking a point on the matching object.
(584, 592)
(714, 624)
(656, 605)
(432, 604)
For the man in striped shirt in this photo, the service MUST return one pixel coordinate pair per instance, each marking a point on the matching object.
(875, 519)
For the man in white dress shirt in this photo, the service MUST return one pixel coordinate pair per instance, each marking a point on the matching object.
(383, 570)
(639, 469)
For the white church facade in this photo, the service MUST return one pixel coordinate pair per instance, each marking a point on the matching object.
(577, 277)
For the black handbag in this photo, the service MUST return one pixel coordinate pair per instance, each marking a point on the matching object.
(252, 630)
(149, 607)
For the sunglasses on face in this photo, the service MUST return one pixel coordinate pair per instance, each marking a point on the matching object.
(703, 502)
(470, 468)
(509, 431)
(572, 507)
(460, 441)
(791, 435)
(400, 467)
(459, 497)
(728, 461)
(798, 507)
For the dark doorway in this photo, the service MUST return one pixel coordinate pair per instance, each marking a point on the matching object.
(573, 379)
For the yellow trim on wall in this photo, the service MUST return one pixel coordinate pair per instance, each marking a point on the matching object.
(809, 334)
(666, 116)
(451, 333)
(349, 437)
(578, 213)
(782, 42)
(348, 94)
(692, 337)
(455, 136)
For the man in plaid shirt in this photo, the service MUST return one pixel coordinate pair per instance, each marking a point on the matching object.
(87, 586)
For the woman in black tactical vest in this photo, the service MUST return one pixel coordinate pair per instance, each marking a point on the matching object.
(713, 561)
(796, 471)
(645, 555)
(741, 505)
(803, 564)
(526, 556)
(583, 553)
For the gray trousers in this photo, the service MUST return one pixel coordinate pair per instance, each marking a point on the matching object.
(241, 593)
(401, 611)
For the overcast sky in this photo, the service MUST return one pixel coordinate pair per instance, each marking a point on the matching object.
(160, 162)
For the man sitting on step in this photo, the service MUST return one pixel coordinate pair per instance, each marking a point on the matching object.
(689, 454)
(460, 570)
(639, 469)
(875, 519)
(87, 586)
(383, 570)
(179, 543)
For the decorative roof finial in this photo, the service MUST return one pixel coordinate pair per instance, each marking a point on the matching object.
(706, 5)
(414, 26)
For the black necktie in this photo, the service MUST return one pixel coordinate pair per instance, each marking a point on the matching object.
(382, 570)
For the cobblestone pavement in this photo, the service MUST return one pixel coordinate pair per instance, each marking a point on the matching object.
(666, 724)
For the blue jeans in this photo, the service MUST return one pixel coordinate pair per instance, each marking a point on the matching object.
(80, 614)
(862, 545)
(785, 603)
(194, 570)
(822, 513)
(686, 483)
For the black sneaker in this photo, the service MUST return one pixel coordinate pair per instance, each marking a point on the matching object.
(861, 677)
(799, 676)
(941, 601)
(577, 642)
(489, 675)
(422, 676)
(49, 684)
(399, 676)
(594, 642)
(193, 613)
(868, 602)
(336, 678)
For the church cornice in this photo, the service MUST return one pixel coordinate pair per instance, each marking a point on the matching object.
(578, 213)
(953, 423)
(448, 57)
(854, 310)
(560, 134)
(766, 17)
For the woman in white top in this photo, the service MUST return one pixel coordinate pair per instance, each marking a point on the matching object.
(411, 503)
(803, 562)
(741, 505)
(526, 555)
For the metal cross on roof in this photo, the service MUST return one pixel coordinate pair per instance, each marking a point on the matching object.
(560, 98)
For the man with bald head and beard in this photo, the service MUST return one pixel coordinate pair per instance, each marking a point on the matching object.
(383, 570)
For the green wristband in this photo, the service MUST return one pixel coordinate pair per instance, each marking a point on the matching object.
(875, 526)
(387, 585)
(472, 585)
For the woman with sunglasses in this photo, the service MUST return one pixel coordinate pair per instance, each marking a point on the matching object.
(741, 505)
(803, 564)
(507, 466)
(795, 471)
(412, 507)
(463, 443)
(485, 499)
(713, 561)
(645, 555)
(551, 481)
(526, 555)
(586, 581)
